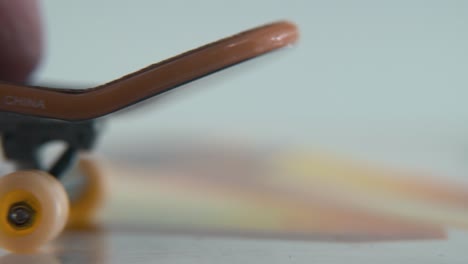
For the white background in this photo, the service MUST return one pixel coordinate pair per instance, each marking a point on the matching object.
(382, 80)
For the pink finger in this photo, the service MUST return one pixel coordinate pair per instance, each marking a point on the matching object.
(20, 39)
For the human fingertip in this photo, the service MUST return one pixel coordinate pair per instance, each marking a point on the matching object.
(20, 39)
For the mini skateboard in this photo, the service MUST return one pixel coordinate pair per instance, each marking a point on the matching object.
(35, 204)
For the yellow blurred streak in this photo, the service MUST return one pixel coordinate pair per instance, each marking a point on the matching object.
(384, 191)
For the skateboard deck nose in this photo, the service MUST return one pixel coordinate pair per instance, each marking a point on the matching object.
(84, 104)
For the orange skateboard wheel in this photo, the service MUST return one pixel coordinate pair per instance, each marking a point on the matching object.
(89, 196)
(33, 210)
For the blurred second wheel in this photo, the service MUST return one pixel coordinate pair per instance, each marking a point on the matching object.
(85, 187)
